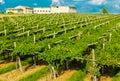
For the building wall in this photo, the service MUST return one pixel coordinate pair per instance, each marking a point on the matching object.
(28, 11)
(42, 10)
(20, 9)
(60, 9)
(52, 9)
(11, 10)
(73, 10)
(55, 9)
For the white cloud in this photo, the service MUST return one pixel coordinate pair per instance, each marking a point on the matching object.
(35, 4)
(55, 2)
(2, 2)
(58, 2)
(97, 2)
(78, 0)
(117, 6)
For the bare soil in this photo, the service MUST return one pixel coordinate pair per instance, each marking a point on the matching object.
(63, 77)
(88, 77)
(105, 78)
(15, 75)
(102, 78)
(46, 78)
(67, 74)
(3, 65)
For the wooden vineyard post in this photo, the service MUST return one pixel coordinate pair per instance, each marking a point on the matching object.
(52, 69)
(104, 44)
(79, 35)
(65, 29)
(94, 64)
(54, 35)
(110, 37)
(34, 39)
(37, 26)
(49, 46)
(18, 61)
(16, 57)
(23, 29)
(74, 27)
(93, 57)
(17, 24)
(4, 27)
(66, 65)
(81, 25)
(34, 58)
(53, 72)
(88, 33)
(28, 33)
(63, 23)
(14, 44)
(43, 29)
(56, 23)
(5, 32)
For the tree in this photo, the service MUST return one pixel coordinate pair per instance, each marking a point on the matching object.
(1, 12)
(104, 11)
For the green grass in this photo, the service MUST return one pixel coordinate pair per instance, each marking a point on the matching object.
(13, 66)
(116, 77)
(78, 76)
(8, 68)
(37, 75)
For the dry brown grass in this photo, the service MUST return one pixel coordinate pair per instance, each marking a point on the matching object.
(46, 78)
(63, 77)
(88, 77)
(105, 78)
(15, 75)
(102, 78)
(6, 64)
(67, 74)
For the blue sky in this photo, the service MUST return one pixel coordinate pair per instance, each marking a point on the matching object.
(91, 6)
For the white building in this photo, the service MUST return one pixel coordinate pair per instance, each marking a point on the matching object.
(55, 9)
(42, 10)
(63, 9)
(20, 9)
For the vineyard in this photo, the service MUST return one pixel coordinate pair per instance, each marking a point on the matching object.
(45, 47)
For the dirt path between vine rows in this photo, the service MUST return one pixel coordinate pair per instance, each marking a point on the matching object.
(10, 15)
(63, 77)
(46, 78)
(3, 65)
(15, 75)
(105, 78)
(102, 78)
(66, 75)
(88, 77)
